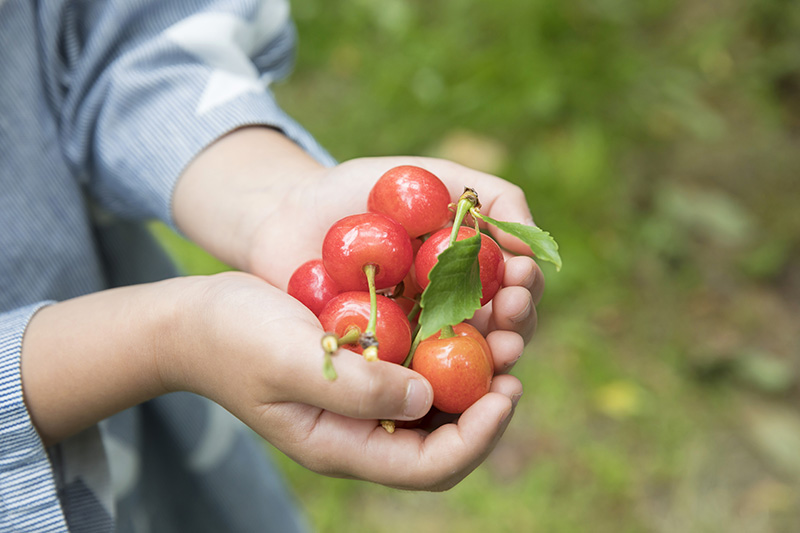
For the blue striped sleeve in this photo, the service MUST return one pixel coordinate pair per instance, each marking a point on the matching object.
(146, 85)
(28, 496)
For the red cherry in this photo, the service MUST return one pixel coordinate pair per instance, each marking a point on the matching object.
(414, 197)
(351, 309)
(407, 304)
(490, 259)
(411, 288)
(467, 330)
(367, 238)
(457, 368)
(312, 285)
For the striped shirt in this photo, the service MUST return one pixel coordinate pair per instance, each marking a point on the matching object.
(102, 104)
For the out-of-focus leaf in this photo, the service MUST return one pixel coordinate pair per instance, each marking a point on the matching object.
(709, 212)
(775, 431)
(765, 372)
(474, 151)
(619, 399)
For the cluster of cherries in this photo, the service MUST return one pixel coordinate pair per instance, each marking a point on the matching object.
(366, 288)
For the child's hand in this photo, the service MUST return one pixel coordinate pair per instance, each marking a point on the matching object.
(319, 201)
(257, 201)
(256, 351)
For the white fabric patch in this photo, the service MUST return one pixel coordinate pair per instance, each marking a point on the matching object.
(84, 458)
(217, 441)
(226, 42)
(125, 465)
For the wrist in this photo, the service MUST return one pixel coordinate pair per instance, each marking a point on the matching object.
(182, 333)
(90, 357)
(245, 178)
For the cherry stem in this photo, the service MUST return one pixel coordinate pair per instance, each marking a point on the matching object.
(447, 332)
(331, 343)
(466, 203)
(350, 336)
(414, 344)
(369, 270)
(327, 368)
(476, 215)
(414, 311)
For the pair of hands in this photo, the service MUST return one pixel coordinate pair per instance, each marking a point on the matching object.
(257, 351)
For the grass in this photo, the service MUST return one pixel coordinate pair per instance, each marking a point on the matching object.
(657, 140)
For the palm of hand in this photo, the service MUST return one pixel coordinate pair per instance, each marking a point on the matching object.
(270, 377)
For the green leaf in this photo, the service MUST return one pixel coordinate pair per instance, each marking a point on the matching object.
(454, 292)
(542, 244)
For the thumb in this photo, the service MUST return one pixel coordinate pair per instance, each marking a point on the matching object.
(363, 389)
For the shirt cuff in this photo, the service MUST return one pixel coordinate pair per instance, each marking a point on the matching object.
(28, 496)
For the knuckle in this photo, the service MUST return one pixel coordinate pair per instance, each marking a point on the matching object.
(381, 396)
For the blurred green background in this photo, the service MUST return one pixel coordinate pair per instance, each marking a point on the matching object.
(657, 140)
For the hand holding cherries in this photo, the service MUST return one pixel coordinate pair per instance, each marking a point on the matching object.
(399, 264)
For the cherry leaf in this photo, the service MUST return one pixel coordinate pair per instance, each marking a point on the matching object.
(544, 246)
(454, 292)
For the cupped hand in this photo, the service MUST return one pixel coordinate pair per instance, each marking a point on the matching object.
(311, 203)
(293, 234)
(255, 350)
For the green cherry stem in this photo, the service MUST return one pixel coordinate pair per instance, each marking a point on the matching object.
(466, 202)
(368, 341)
(369, 270)
(447, 332)
(330, 345)
(414, 311)
(476, 215)
(414, 344)
(328, 372)
(350, 336)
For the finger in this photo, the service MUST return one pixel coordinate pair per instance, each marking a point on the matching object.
(362, 389)
(513, 310)
(410, 459)
(482, 319)
(508, 386)
(280, 358)
(507, 347)
(523, 271)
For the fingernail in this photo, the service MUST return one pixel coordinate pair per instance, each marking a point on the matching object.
(417, 399)
(524, 314)
(511, 363)
(515, 398)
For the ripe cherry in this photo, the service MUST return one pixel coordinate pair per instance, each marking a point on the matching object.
(312, 285)
(367, 239)
(352, 309)
(468, 330)
(414, 197)
(458, 369)
(411, 288)
(490, 259)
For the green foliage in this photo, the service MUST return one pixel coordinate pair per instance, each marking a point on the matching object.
(190, 258)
